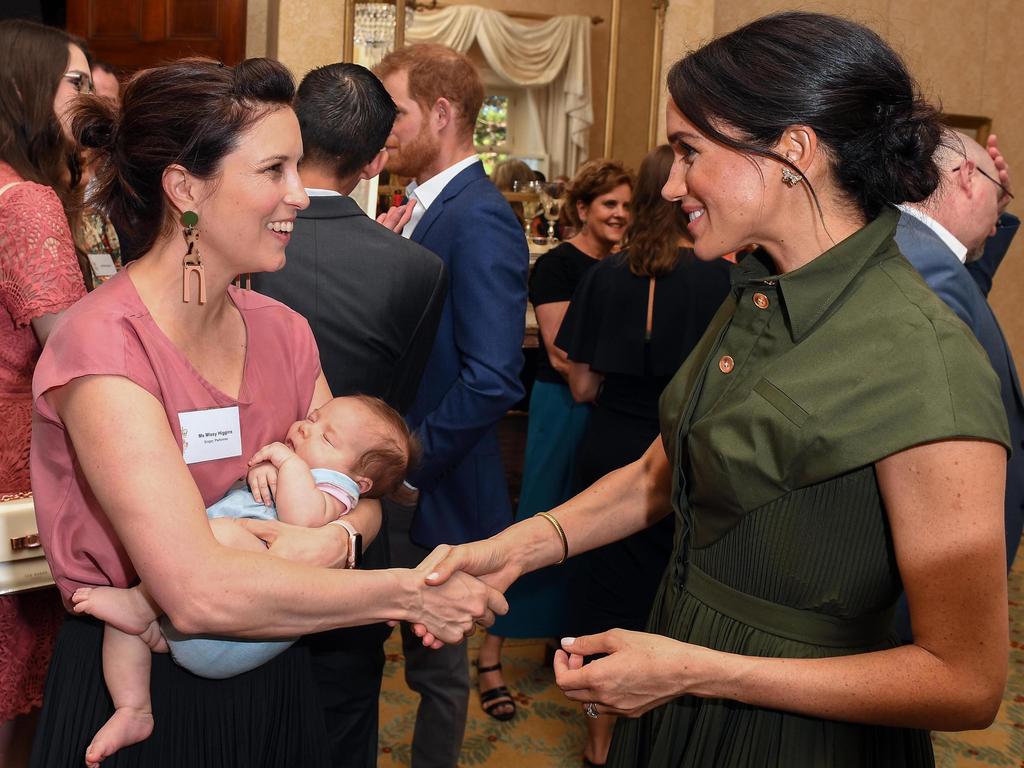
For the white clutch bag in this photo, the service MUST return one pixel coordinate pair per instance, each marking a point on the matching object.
(22, 563)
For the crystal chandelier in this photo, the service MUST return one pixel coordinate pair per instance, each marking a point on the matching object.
(374, 35)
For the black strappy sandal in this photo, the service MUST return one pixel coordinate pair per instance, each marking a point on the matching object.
(498, 696)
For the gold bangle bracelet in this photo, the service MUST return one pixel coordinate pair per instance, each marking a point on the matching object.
(561, 534)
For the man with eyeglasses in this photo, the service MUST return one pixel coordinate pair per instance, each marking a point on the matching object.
(956, 239)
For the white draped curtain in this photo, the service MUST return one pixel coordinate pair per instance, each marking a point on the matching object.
(550, 60)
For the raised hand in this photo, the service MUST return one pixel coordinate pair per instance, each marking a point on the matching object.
(641, 671)
(1002, 169)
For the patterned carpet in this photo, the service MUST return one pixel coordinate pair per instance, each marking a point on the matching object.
(548, 729)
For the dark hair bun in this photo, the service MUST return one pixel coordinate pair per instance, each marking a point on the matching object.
(94, 123)
(909, 140)
(830, 73)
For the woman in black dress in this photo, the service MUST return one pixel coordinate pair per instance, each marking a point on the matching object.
(632, 321)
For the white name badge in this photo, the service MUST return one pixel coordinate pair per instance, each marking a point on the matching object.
(102, 264)
(209, 434)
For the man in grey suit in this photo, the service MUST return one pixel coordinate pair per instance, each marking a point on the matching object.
(373, 300)
(956, 240)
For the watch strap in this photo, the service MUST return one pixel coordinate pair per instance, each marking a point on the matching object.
(355, 543)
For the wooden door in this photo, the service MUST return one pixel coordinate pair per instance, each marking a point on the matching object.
(133, 34)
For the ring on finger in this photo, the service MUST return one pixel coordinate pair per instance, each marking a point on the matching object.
(591, 709)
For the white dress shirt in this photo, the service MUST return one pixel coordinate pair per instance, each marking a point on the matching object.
(423, 195)
(315, 192)
(958, 248)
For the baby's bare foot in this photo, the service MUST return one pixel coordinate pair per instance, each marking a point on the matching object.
(125, 727)
(125, 609)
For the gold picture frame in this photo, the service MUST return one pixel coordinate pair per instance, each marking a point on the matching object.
(976, 125)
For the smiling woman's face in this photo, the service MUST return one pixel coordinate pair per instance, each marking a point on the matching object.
(727, 195)
(75, 80)
(607, 215)
(246, 214)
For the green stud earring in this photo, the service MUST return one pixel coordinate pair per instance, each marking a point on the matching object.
(189, 218)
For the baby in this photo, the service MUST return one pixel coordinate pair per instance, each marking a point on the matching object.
(351, 447)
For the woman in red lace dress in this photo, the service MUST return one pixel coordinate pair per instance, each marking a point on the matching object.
(41, 71)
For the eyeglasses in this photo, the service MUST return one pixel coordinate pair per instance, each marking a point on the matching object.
(80, 81)
(1006, 192)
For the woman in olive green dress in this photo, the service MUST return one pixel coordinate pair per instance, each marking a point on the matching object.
(836, 437)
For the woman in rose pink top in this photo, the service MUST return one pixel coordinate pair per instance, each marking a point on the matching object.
(150, 397)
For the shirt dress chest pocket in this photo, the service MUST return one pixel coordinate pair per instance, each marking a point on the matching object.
(753, 446)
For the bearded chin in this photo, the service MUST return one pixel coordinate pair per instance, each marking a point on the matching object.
(414, 157)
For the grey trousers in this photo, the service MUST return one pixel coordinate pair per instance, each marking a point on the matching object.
(440, 677)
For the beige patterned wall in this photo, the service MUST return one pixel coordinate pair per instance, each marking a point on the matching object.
(966, 56)
(688, 24)
(301, 34)
(256, 28)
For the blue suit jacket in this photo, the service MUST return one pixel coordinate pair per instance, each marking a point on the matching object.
(965, 289)
(472, 375)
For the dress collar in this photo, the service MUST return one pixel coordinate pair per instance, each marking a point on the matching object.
(808, 292)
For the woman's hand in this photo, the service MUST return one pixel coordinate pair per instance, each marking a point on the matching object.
(641, 671)
(326, 546)
(490, 560)
(451, 611)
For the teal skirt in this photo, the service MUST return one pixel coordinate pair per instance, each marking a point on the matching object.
(537, 602)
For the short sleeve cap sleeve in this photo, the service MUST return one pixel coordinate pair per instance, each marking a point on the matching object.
(39, 272)
(552, 280)
(578, 335)
(73, 350)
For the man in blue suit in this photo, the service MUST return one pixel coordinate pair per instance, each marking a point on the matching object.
(956, 239)
(472, 375)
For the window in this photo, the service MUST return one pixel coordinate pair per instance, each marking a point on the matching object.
(491, 134)
(508, 127)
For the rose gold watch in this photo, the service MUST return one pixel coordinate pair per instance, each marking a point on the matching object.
(355, 544)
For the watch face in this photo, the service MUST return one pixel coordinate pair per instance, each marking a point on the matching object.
(356, 553)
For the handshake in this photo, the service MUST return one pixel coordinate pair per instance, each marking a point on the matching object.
(456, 589)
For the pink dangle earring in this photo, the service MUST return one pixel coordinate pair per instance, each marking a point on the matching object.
(191, 261)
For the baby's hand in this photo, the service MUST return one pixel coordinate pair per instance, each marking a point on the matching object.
(262, 481)
(276, 453)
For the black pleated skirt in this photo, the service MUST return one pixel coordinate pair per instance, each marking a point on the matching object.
(269, 717)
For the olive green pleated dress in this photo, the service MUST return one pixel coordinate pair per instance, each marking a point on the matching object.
(773, 425)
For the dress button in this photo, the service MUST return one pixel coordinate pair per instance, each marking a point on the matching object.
(760, 300)
(726, 364)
